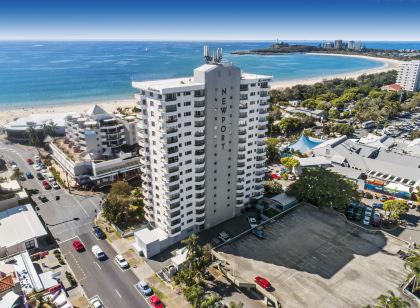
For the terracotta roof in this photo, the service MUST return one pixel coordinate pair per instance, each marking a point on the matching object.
(6, 283)
(395, 86)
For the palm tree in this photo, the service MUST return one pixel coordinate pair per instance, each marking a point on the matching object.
(53, 127)
(413, 263)
(390, 300)
(32, 136)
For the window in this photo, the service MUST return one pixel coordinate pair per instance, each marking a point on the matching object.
(186, 114)
(187, 124)
(187, 134)
(30, 244)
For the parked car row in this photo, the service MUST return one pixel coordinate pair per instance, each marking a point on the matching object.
(367, 214)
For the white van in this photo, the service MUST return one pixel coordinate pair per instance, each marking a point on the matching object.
(97, 251)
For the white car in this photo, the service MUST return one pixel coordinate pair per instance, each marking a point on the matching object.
(366, 221)
(15, 167)
(368, 211)
(97, 251)
(119, 259)
(252, 222)
(37, 167)
(50, 178)
(95, 302)
(54, 185)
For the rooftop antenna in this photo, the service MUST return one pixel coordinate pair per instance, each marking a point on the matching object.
(215, 58)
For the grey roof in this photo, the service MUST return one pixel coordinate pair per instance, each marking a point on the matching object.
(96, 110)
(314, 161)
(348, 172)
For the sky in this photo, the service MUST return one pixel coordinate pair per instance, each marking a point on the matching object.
(378, 20)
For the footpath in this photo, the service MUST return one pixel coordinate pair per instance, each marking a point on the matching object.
(167, 293)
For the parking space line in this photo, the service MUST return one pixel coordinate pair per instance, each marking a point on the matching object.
(118, 293)
(69, 253)
(98, 265)
(69, 239)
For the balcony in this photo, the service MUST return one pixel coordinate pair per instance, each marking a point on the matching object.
(200, 161)
(200, 187)
(199, 124)
(200, 153)
(263, 94)
(199, 104)
(200, 170)
(263, 111)
(200, 178)
(174, 205)
(239, 195)
(242, 124)
(241, 172)
(241, 149)
(241, 156)
(171, 108)
(171, 119)
(173, 196)
(173, 169)
(242, 132)
(242, 115)
(239, 187)
(261, 136)
(200, 197)
(262, 127)
(259, 166)
(200, 134)
(260, 151)
(264, 85)
(200, 212)
(175, 214)
(200, 204)
(200, 220)
(171, 130)
(263, 103)
(244, 97)
(199, 143)
(243, 87)
(241, 165)
(242, 140)
(199, 93)
(175, 222)
(171, 140)
(243, 106)
(260, 158)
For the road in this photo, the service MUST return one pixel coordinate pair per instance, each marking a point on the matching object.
(72, 217)
(114, 286)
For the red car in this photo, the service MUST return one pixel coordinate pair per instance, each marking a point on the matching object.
(156, 303)
(46, 185)
(275, 176)
(263, 282)
(78, 245)
(30, 161)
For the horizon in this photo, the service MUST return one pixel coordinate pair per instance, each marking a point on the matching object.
(365, 20)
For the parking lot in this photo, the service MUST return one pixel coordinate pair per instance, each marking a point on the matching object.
(314, 259)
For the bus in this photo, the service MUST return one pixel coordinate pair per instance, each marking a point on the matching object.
(368, 124)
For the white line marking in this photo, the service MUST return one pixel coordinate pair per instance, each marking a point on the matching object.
(116, 291)
(98, 265)
(77, 201)
(69, 239)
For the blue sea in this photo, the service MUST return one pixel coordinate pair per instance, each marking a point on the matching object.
(40, 73)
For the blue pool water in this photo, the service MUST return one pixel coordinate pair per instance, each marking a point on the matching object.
(38, 73)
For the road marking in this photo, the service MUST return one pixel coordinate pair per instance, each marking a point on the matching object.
(98, 265)
(77, 201)
(69, 239)
(116, 291)
(69, 253)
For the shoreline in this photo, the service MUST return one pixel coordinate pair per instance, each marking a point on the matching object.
(9, 115)
(387, 65)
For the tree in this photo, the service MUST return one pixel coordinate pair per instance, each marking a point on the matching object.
(290, 125)
(32, 136)
(271, 149)
(395, 208)
(272, 187)
(236, 305)
(122, 207)
(289, 162)
(324, 188)
(413, 263)
(390, 300)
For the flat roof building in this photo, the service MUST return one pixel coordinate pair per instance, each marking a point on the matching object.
(409, 76)
(202, 146)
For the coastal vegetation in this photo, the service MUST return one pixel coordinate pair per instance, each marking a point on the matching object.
(324, 188)
(395, 208)
(123, 206)
(389, 300)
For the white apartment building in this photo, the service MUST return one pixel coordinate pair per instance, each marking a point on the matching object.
(409, 75)
(202, 147)
(98, 147)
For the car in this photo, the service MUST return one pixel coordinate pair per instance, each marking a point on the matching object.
(42, 198)
(411, 204)
(262, 282)
(46, 184)
(54, 185)
(22, 178)
(50, 178)
(14, 167)
(97, 251)
(252, 222)
(383, 198)
(366, 221)
(368, 211)
(30, 161)
(37, 167)
(291, 177)
(367, 195)
(378, 205)
(39, 176)
(402, 254)
(155, 301)
(144, 288)
(45, 173)
(98, 232)
(223, 236)
(36, 157)
(78, 246)
(29, 175)
(95, 302)
(119, 259)
(258, 233)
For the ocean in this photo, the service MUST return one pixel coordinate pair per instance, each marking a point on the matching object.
(41, 73)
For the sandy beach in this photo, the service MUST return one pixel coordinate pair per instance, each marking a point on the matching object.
(110, 106)
(387, 65)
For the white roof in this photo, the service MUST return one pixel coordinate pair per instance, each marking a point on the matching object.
(10, 186)
(249, 76)
(283, 199)
(38, 119)
(398, 187)
(169, 85)
(313, 161)
(19, 224)
(149, 236)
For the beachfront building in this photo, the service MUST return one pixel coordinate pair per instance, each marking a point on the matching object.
(98, 147)
(18, 130)
(202, 149)
(409, 75)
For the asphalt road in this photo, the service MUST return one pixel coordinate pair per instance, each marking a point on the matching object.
(114, 286)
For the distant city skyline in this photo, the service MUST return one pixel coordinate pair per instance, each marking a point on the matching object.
(380, 20)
